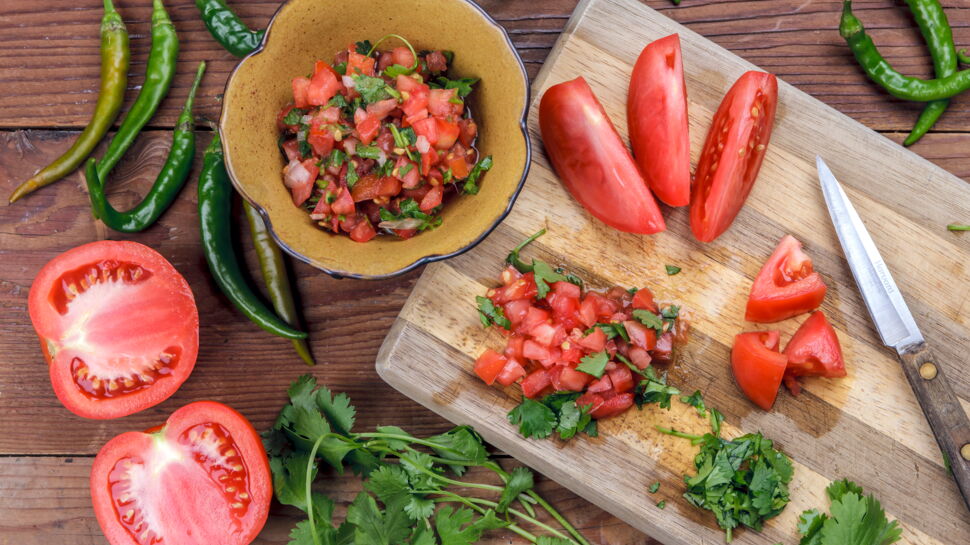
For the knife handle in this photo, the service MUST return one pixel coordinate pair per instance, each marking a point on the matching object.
(946, 416)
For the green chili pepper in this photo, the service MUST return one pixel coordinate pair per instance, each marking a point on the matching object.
(226, 27)
(935, 27)
(114, 80)
(275, 276)
(158, 79)
(215, 207)
(167, 185)
(880, 71)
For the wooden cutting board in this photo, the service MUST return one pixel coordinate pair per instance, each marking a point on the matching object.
(867, 427)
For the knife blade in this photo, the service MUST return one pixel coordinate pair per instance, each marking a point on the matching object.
(898, 330)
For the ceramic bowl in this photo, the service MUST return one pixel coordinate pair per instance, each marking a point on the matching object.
(303, 31)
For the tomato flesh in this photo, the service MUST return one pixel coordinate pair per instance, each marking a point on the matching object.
(118, 326)
(657, 119)
(814, 351)
(588, 155)
(786, 286)
(732, 154)
(203, 477)
(758, 367)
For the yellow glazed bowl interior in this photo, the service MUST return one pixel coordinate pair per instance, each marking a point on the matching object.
(303, 31)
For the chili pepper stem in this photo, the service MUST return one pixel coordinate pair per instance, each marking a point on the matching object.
(190, 101)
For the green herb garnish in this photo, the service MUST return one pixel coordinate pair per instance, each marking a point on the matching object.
(368, 152)
(855, 519)
(957, 227)
(672, 270)
(594, 364)
(490, 314)
(410, 209)
(471, 182)
(294, 116)
(554, 413)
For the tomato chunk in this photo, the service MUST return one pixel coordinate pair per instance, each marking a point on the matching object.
(489, 365)
(758, 366)
(814, 351)
(786, 286)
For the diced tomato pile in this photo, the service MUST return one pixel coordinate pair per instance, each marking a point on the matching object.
(376, 141)
(549, 337)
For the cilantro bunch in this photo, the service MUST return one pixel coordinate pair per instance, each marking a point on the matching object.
(408, 495)
(854, 518)
(743, 481)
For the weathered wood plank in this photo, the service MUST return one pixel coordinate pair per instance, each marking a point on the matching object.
(46, 500)
(51, 54)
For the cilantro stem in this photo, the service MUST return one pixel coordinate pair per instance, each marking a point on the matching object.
(407, 43)
(437, 476)
(542, 503)
(513, 257)
(309, 497)
(455, 498)
(524, 517)
(670, 431)
(408, 439)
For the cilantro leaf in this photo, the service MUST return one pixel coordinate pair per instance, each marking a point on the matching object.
(294, 116)
(654, 487)
(572, 420)
(654, 389)
(810, 526)
(368, 152)
(612, 330)
(520, 480)
(661, 504)
(289, 479)
(396, 70)
(464, 85)
(649, 319)
(552, 540)
(696, 400)
(544, 274)
(461, 444)
(454, 529)
(490, 314)
(372, 526)
(594, 364)
(471, 182)
(419, 508)
(838, 489)
(363, 47)
(513, 257)
(410, 209)
(340, 413)
(672, 270)
(533, 418)
(371, 89)
(396, 444)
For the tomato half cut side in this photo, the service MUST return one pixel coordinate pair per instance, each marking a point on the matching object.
(814, 351)
(592, 162)
(758, 367)
(202, 477)
(118, 326)
(732, 154)
(657, 120)
(787, 285)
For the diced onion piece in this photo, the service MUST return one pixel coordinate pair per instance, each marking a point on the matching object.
(348, 82)
(406, 223)
(422, 144)
(296, 175)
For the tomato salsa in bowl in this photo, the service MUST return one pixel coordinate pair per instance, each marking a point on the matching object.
(489, 152)
(377, 140)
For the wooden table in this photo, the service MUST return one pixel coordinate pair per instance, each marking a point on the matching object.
(49, 61)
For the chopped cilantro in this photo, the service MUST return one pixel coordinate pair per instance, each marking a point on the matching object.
(490, 314)
(294, 116)
(594, 364)
(957, 227)
(471, 182)
(410, 209)
(302, 145)
(652, 389)
(396, 70)
(341, 68)
(855, 519)
(371, 89)
(464, 85)
(338, 101)
(513, 257)
(554, 413)
(654, 487)
(672, 270)
(368, 152)
(336, 158)
(363, 47)
(352, 175)
(661, 504)
(649, 319)
(696, 400)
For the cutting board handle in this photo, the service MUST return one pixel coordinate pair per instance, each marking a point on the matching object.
(946, 416)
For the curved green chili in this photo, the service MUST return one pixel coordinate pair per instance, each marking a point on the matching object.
(158, 79)
(215, 207)
(226, 27)
(275, 276)
(114, 80)
(880, 71)
(167, 185)
(935, 27)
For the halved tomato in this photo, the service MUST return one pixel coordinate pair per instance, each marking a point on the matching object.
(590, 158)
(732, 154)
(202, 477)
(758, 366)
(657, 119)
(786, 285)
(118, 326)
(814, 351)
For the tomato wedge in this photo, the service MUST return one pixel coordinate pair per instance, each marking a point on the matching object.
(118, 326)
(657, 120)
(758, 366)
(814, 351)
(202, 477)
(732, 154)
(787, 285)
(590, 158)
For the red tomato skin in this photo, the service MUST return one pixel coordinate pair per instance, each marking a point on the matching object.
(137, 446)
(613, 406)
(489, 365)
(300, 86)
(758, 367)
(574, 380)
(592, 162)
(363, 231)
(814, 350)
(165, 306)
(732, 154)
(536, 383)
(622, 379)
(323, 85)
(786, 286)
(595, 341)
(643, 299)
(657, 120)
(512, 372)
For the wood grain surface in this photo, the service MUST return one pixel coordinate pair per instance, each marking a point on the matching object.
(48, 71)
(865, 427)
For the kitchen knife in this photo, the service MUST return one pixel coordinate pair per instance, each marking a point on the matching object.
(898, 330)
